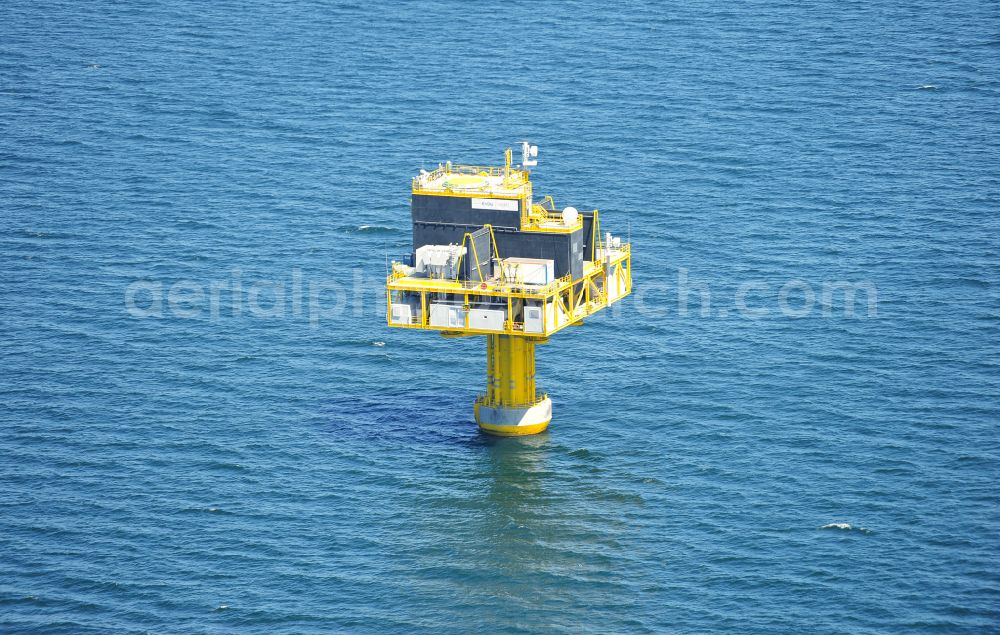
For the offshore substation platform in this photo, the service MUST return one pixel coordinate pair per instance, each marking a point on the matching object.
(489, 260)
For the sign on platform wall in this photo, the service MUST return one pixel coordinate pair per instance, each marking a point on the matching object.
(506, 205)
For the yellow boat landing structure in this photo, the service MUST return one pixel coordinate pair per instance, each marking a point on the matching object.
(488, 260)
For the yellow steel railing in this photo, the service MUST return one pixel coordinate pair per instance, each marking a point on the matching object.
(545, 213)
(574, 299)
(512, 179)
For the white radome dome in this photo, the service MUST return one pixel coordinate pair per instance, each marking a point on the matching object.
(569, 216)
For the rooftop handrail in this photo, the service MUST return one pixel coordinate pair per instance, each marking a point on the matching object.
(541, 215)
(513, 180)
(545, 213)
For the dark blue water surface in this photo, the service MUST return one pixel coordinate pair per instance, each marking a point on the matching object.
(291, 465)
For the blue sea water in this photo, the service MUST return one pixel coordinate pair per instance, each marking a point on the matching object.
(285, 463)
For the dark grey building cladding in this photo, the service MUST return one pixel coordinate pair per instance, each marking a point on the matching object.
(565, 249)
(457, 209)
(588, 235)
(443, 220)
